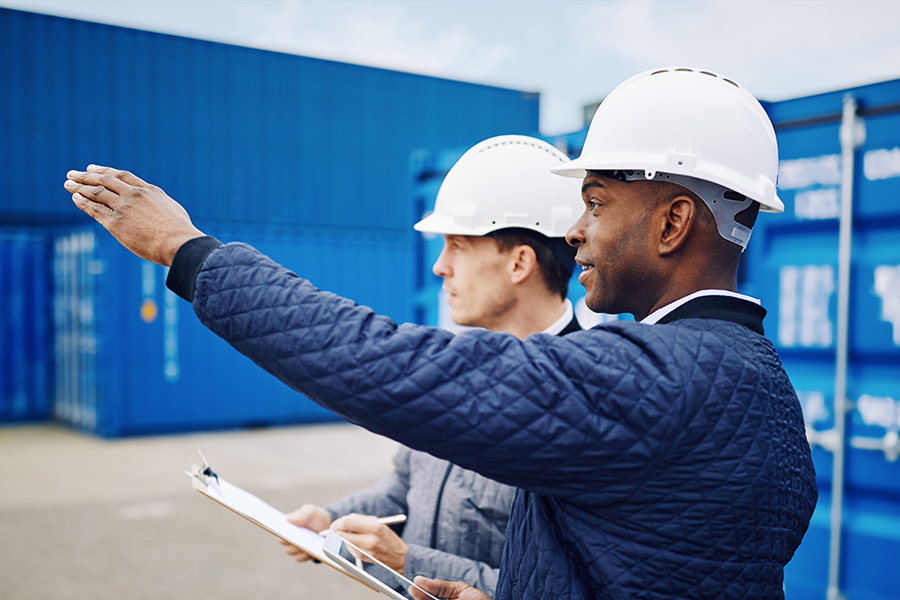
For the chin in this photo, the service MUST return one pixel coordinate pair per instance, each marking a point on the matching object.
(595, 304)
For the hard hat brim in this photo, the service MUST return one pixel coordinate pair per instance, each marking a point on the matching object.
(578, 168)
(445, 225)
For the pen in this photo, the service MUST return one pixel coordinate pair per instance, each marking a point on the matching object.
(392, 520)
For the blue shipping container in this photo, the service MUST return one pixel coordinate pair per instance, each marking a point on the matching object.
(834, 348)
(25, 303)
(304, 157)
(131, 358)
(236, 134)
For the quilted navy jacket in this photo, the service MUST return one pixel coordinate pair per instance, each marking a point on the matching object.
(652, 461)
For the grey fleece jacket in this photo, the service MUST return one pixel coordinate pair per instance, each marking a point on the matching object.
(466, 541)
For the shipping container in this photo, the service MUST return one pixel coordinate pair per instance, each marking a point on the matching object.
(831, 283)
(26, 382)
(306, 158)
(236, 134)
(132, 359)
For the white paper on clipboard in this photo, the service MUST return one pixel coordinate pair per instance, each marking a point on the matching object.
(261, 513)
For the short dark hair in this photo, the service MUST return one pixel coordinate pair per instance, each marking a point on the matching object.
(556, 276)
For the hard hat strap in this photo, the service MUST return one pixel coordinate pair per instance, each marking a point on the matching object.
(715, 196)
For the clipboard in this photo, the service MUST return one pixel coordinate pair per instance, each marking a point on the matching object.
(262, 514)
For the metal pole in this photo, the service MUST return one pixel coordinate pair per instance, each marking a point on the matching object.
(852, 135)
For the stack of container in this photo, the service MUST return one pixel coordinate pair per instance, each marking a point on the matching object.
(306, 159)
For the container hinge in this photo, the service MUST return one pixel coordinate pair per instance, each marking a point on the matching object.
(889, 444)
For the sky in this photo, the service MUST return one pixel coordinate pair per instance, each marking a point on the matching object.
(573, 52)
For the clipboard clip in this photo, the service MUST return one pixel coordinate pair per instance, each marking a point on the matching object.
(207, 470)
(203, 474)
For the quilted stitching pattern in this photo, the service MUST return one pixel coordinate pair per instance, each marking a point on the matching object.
(653, 461)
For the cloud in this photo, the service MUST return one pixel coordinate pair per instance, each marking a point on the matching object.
(774, 48)
(573, 51)
(382, 34)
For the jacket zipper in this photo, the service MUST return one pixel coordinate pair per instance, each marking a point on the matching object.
(437, 507)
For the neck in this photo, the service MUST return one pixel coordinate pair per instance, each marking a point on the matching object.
(678, 287)
(533, 316)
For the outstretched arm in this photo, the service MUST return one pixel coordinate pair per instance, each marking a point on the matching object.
(554, 416)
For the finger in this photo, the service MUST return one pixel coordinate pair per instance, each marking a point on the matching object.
(94, 192)
(435, 587)
(356, 523)
(303, 515)
(364, 542)
(108, 180)
(293, 551)
(300, 556)
(125, 176)
(100, 212)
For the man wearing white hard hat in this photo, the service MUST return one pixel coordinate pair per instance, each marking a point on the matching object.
(506, 266)
(662, 458)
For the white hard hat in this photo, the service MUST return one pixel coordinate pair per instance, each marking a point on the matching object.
(505, 182)
(688, 123)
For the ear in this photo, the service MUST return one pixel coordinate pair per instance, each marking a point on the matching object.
(678, 219)
(523, 262)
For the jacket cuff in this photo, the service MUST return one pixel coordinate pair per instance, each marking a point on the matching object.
(412, 562)
(187, 263)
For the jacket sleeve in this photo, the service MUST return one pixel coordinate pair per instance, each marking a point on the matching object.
(555, 416)
(385, 498)
(435, 564)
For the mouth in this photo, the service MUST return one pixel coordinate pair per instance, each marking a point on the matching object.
(586, 269)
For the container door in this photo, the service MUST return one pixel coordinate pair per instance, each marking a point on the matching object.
(75, 343)
(25, 358)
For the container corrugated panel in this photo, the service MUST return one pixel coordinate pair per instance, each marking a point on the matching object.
(132, 359)
(309, 152)
(792, 265)
(235, 134)
(25, 304)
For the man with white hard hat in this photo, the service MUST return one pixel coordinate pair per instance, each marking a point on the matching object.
(662, 458)
(506, 267)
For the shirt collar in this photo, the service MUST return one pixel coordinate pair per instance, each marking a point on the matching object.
(659, 313)
(561, 322)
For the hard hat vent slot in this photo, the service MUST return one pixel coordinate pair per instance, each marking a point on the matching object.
(732, 195)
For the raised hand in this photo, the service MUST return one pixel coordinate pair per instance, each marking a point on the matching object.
(140, 215)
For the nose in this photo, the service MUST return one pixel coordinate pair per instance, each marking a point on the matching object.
(575, 234)
(441, 266)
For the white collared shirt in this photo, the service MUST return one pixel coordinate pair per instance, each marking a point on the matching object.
(659, 313)
(561, 322)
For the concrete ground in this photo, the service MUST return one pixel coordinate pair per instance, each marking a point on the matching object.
(82, 517)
